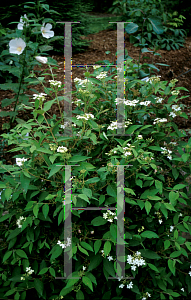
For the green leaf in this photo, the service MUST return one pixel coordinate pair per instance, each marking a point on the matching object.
(179, 186)
(91, 277)
(108, 265)
(97, 246)
(84, 197)
(94, 262)
(169, 206)
(107, 248)
(148, 207)
(153, 268)
(175, 254)
(48, 104)
(149, 254)
(98, 221)
(188, 245)
(82, 250)
(171, 265)
(92, 180)
(35, 210)
(45, 210)
(149, 234)
(173, 196)
(87, 282)
(131, 28)
(39, 286)
(166, 244)
(159, 185)
(157, 25)
(66, 291)
(43, 271)
(52, 272)
(54, 169)
(86, 246)
(57, 252)
(129, 191)
(111, 191)
(80, 295)
(78, 158)
(8, 193)
(7, 255)
(25, 181)
(21, 253)
(87, 192)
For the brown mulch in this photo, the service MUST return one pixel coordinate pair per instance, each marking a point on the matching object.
(106, 40)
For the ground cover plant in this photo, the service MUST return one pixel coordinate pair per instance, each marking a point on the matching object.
(33, 192)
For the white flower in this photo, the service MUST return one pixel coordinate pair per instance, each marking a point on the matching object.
(110, 258)
(145, 103)
(19, 161)
(158, 120)
(133, 268)
(85, 116)
(182, 289)
(189, 273)
(39, 96)
(180, 215)
(145, 79)
(160, 221)
(46, 32)
(22, 278)
(149, 295)
(144, 298)
(171, 228)
(54, 83)
(17, 46)
(102, 75)
(29, 270)
(105, 215)
(41, 59)
(110, 220)
(18, 222)
(172, 114)
(130, 285)
(62, 149)
(138, 253)
(84, 268)
(158, 100)
(121, 286)
(22, 22)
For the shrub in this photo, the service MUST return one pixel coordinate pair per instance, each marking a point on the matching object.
(34, 199)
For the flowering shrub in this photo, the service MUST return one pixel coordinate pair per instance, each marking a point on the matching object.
(33, 195)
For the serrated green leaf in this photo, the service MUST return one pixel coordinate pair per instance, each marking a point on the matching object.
(148, 207)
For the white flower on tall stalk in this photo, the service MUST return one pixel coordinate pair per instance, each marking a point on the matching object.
(22, 22)
(102, 75)
(39, 96)
(85, 116)
(19, 161)
(114, 124)
(41, 59)
(55, 83)
(46, 32)
(17, 46)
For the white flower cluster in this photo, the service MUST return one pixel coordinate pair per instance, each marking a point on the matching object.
(136, 260)
(29, 272)
(151, 79)
(127, 102)
(175, 108)
(55, 83)
(85, 116)
(19, 161)
(64, 245)
(66, 124)
(96, 67)
(167, 151)
(102, 75)
(158, 120)
(78, 102)
(40, 96)
(175, 92)
(62, 149)
(159, 216)
(171, 228)
(147, 294)
(114, 124)
(158, 100)
(126, 153)
(109, 215)
(145, 103)
(80, 81)
(19, 221)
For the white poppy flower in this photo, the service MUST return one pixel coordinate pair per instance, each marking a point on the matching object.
(41, 59)
(17, 46)
(46, 32)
